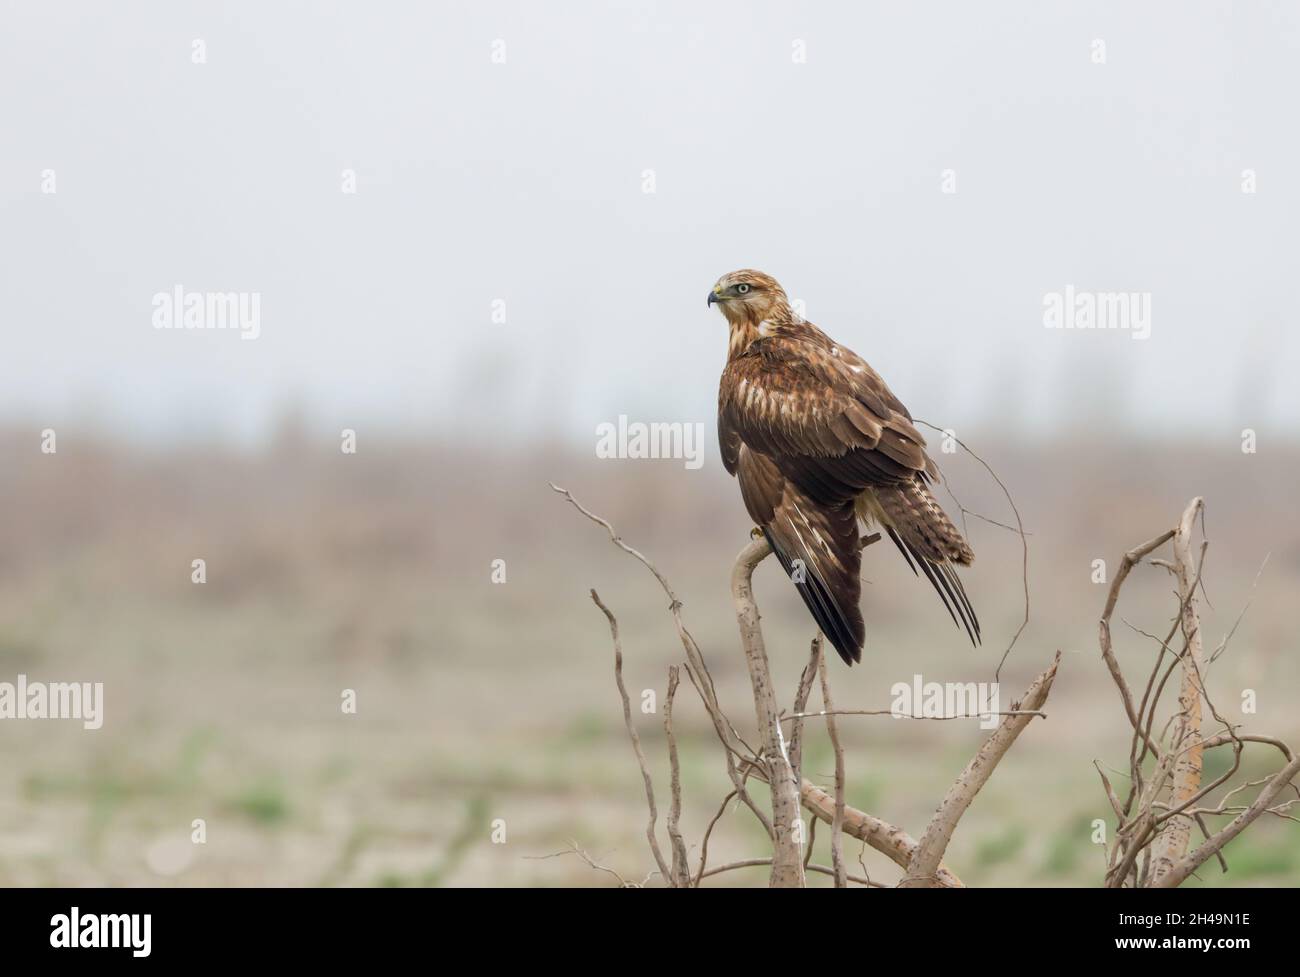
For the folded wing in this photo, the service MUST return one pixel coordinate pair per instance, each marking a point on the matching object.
(816, 544)
(811, 430)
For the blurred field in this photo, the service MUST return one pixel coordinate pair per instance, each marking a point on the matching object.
(482, 701)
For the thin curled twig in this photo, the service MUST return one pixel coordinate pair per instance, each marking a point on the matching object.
(1019, 530)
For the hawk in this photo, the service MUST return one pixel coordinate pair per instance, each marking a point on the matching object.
(819, 443)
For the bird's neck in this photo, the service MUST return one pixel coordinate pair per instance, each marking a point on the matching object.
(743, 332)
(749, 326)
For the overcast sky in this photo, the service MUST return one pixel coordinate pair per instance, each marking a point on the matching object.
(1098, 145)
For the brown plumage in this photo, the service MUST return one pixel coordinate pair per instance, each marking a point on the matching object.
(819, 443)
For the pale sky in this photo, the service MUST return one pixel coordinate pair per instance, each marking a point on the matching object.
(523, 181)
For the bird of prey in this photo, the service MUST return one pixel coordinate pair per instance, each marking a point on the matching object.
(819, 443)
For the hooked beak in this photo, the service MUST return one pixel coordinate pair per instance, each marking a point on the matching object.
(714, 296)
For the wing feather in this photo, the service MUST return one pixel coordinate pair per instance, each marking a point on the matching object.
(816, 545)
(829, 422)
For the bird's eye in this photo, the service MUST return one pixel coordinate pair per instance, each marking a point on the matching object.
(742, 288)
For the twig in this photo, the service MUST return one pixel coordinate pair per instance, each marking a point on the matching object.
(1214, 655)
(696, 668)
(837, 824)
(795, 716)
(756, 862)
(1179, 873)
(681, 870)
(1131, 559)
(708, 833)
(1020, 530)
(636, 742)
(573, 849)
(801, 702)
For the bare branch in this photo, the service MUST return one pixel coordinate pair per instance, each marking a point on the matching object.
(774, 763)
(891, 841)
(1179, 872)
(1175, 835)
(696, 668)
(837, 824)
(681, 878)
(573, 849)
(708, 833)
(787, 865)
(1214, 741)
(923, 868)
(800, 703)
(636, 741)
(756, 862)
(1110, 793)
(796, 716)
(1131, 559)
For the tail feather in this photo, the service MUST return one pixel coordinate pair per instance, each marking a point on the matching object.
(913, 511)
(930, 544)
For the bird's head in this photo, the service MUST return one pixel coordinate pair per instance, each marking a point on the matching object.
(750, 296)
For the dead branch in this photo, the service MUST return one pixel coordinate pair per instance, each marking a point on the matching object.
(837, 824)
(1166, 798)
(774, 763)
(696, 668)
(1131, 559)
(573, 849)
(822, 869)
(681, 870)
(787, 863)
(891, 841)
(1174, 837)
(1155, 822)
(636, 740)
(708, 833)
(923, 869)
(1190, 863)
(796, 716)
(800, 703)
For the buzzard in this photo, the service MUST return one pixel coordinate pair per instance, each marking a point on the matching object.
(818, 442)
